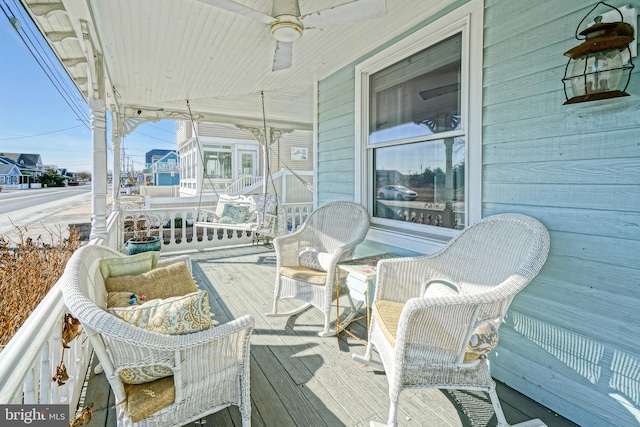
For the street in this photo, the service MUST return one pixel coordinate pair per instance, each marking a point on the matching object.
(24, 207)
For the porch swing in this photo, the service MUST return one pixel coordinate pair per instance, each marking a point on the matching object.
(258, 214)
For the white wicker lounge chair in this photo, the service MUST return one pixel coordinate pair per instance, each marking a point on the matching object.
(210, 367)
(307, 258)
(428, 309)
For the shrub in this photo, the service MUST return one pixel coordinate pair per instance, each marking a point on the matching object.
(28, 270)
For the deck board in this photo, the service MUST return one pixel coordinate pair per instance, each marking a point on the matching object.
(301, 379)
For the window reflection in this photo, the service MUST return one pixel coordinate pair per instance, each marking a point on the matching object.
(421, 182)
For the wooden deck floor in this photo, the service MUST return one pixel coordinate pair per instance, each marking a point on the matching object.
(300, 379)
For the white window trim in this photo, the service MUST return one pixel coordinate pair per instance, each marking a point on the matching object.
(468, 19)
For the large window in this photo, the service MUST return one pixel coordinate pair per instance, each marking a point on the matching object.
(412, 103)
(419, 126)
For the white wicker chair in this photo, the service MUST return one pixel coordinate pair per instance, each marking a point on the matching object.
(307, 258)
(211, 368)
(427, 308)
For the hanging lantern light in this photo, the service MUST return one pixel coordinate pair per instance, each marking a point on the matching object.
(596, 68)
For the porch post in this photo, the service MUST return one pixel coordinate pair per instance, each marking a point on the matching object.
(116, 140)
(99, 170)
(97, 109)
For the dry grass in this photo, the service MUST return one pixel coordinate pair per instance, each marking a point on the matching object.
(28, 270)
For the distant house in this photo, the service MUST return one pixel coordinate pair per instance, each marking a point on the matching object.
(28, 167)
(31, 162)
(9, 175)
(165, 170)
(154, 155)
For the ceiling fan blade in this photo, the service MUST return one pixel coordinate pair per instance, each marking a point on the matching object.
(355, 10)
(282, 57)
(239, 9)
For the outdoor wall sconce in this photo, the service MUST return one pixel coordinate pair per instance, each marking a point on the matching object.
(599, 64)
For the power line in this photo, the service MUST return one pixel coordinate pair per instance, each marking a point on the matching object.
(41, 59)
(39, 134)
(153, 137)
(164, 130)
(45, 54)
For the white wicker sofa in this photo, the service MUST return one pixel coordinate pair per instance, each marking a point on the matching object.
(210, 368)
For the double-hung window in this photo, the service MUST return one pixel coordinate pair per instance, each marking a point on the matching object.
(418, 128)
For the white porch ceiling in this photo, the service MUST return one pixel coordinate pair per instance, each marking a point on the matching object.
(158, 54)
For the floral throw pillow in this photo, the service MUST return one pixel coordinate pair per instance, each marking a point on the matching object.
(483, 340)
(234, 214)
(171, 316)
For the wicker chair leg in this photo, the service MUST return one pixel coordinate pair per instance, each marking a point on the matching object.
(367, 361)
(502, 421)
(326, 331)
(392, 421)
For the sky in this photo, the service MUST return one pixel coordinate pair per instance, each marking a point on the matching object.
(35, 118)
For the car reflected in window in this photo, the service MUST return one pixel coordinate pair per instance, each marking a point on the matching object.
(397, 192)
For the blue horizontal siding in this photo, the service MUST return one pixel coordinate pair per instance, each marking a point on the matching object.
(570, 340)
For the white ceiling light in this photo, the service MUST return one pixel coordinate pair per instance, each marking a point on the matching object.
(286, 29)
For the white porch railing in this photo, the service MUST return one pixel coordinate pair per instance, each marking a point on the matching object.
(296, 214)
(29, 361)
(178, 231)
(242, 183)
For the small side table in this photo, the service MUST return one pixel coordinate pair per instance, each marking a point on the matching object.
(361, 281)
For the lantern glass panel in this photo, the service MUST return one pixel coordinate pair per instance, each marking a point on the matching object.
(597, 72)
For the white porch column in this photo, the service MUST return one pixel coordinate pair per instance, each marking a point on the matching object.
(116, 141)
(99, 170)
(97, 110)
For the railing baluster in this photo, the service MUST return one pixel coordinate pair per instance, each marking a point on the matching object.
(45, 366)
(28, 390)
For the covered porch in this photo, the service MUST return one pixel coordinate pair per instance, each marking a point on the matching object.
(570, 342)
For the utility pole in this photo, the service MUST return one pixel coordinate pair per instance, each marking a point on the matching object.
(123, 162)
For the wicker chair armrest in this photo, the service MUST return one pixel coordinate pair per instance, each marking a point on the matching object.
(287, 248)
(230, 340)
(399, 279)
(135, 336)
(289, 245)
(442, 324)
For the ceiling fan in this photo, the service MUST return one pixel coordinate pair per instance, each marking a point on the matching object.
(287, 24)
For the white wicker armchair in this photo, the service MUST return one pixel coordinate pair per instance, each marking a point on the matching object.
(428, 309)
(210, 368)
(307, 258)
